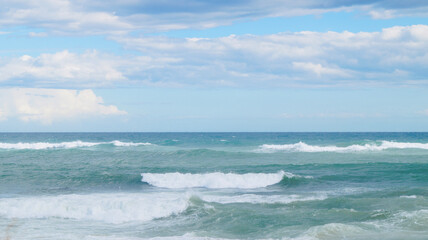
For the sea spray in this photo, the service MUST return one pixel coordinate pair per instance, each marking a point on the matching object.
(214, 180)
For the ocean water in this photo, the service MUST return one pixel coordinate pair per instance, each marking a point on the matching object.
(213, 186)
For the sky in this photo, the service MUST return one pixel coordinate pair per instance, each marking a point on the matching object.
(205, 65)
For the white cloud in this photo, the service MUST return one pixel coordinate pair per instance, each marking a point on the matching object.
(49, 105)
(319, 70)
(63, 68)
(382, 14)
(396, 55)
(393, 56)
(61, 16)
(119, 17)
(424, 112)
(38, 34)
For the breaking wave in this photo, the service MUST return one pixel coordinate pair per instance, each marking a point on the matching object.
(112, 208)
(66, 145)
(261, 199)
(303, 147)
(333, 231)
(214, 180)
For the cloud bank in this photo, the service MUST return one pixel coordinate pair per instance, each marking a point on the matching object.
(119, 17)
(394, 56)
(49, 105)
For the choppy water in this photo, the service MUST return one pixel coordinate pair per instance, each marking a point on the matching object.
(214, 186)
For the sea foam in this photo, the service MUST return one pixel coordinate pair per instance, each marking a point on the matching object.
(129, 144)
(303, 147)
(112, 208)
(261, 199)
(214, 180)
(66, 145)
(187, 236)
(332, 231)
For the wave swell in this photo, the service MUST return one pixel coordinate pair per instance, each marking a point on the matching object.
(66, 145)
(214, 180)
(112, 208)
(303, 147)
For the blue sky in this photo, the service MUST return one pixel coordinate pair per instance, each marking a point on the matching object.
(193, 65)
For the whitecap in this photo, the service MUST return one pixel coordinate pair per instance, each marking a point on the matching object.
(129, 144)
(112, 208)
(303, 147)
(214, 180)
(261, 199)
(66, 145)
(409, 196)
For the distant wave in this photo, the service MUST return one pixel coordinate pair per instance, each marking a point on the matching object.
(112, 208)
(303, 147)
(129, 144)
(214, 180)
(73, 144)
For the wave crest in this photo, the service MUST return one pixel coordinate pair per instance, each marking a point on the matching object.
(66, 145)
(303, 147)
(214, 180)
(112, 208)
(262, 199)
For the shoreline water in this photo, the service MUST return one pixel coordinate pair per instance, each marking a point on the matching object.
(213, 185)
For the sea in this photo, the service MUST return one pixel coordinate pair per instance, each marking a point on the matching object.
(164, 186)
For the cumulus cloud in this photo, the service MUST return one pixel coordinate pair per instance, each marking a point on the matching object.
(118, 17)
(49, 105)
(87, 70)
(320, 70)
(62, 68)
(396, 55)
(61, 16)
(393, 56)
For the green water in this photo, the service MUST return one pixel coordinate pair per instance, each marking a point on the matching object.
(214, 186)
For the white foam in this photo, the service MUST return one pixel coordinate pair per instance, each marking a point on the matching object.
(260, 199)
(303, 147)
(415, 217)
(332, 231)
(46, 145)
(408, 196)
(214, 180)
(66, 145)
(129, 144)
(405, 220)
(112, 208)
(187, 236)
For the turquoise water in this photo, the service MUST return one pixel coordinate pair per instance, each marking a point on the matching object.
(214, 186)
